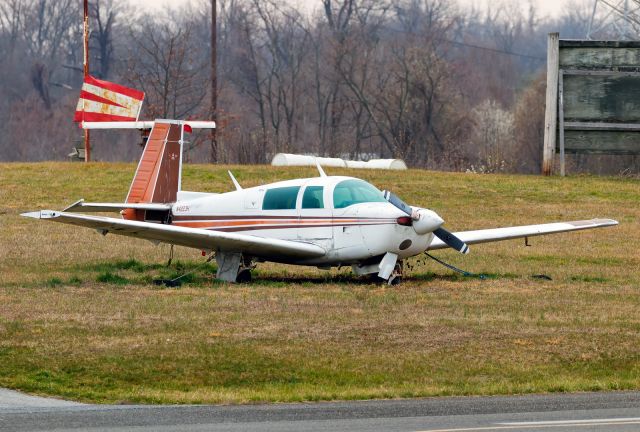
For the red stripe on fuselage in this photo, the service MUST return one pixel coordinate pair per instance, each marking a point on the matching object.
(261, 217)
(250, 223)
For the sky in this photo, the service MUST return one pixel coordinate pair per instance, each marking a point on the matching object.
(546, 7)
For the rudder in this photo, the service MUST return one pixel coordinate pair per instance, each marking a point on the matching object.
(157, 178)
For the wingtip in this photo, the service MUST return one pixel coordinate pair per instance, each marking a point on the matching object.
(42, 214)
(606, 222)
(33, 214)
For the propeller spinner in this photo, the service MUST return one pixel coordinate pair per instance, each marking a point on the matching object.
(425, 221)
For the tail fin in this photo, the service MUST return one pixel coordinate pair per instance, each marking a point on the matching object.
(158, 177)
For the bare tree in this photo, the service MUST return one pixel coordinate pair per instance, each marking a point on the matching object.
(47, 25)
(529, 126)
(283, 52)
(161, 66)
(331, 101)
(103, 19)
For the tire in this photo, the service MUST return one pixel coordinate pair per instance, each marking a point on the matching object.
(396, 281)
(244, 276)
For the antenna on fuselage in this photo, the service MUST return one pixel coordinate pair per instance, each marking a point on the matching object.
(320, 170)
(235, 182)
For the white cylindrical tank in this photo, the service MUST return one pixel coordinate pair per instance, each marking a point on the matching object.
(288, 159)
(331, 162)
(393, 164)
(356, 164)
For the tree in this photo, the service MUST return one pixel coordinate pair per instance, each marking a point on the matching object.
(164, 66)
(103, 18)
(529, 126)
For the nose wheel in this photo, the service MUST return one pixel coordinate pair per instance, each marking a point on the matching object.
(396, 275)
(394, 279)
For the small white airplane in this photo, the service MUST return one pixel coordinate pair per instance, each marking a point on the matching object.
(326, 221)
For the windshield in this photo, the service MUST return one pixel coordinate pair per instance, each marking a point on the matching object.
(349, 192)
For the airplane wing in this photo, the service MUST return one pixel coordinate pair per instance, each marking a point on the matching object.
(197, 238)
(499, 234)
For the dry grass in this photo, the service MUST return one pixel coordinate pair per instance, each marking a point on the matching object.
(304, 334)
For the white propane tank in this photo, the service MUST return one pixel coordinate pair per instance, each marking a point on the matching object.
(288, 159)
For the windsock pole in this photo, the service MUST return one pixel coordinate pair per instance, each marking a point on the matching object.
(87, 143)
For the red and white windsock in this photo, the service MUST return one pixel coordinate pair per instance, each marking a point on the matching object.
(103, 101)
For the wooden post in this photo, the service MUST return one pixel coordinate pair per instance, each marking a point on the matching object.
(87, 141)
(561, 118)
(214, 83)
(551, 111)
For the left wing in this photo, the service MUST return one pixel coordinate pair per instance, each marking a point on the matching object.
(499, 234)
(269, 248)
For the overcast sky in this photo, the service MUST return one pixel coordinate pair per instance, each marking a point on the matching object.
(546, 7)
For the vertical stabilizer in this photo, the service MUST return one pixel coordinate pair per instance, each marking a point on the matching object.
(157, 179)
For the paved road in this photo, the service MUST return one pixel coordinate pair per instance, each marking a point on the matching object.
(10, 400)
(619, 411)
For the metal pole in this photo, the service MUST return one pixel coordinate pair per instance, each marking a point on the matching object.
(87, 142)
(214, 83)
(561, 119)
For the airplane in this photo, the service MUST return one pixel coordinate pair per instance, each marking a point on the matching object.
(325, 221)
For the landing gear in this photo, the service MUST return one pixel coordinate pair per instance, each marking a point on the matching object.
(234, 267)
(244, 276)
(396, 276)
(394, 279)
(390, 268)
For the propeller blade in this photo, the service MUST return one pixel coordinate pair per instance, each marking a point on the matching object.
(396, 201)
(451, 240)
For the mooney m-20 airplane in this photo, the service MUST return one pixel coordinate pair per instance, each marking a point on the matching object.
(325, 221)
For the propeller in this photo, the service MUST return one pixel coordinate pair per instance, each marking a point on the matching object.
(451, 240)
(396, 201)
(425, 221)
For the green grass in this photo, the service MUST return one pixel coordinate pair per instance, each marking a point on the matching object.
(81, 316)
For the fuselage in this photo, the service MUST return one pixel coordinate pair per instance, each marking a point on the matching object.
(348, 217)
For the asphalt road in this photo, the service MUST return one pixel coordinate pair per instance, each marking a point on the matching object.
(617, 411)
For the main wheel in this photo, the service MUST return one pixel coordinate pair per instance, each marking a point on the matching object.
(397, 280)
(244, 276)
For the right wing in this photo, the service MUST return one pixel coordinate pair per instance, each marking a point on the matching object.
(508, 233)
(269, 248)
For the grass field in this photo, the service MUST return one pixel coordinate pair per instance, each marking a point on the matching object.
(80, 318)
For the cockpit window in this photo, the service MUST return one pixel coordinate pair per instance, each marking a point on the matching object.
(283, 198)
(349, 192)
(312, 198)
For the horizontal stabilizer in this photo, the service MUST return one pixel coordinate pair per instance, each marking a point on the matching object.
(273, 249)
(499, 234)
(146, 124)
(81, 206)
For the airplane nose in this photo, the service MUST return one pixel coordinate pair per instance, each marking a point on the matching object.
(426, 221)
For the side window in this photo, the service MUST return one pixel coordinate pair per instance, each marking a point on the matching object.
(283, 198)
(312, 198)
